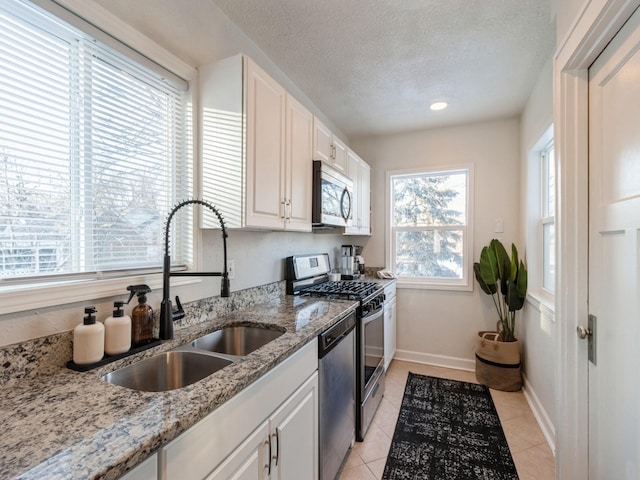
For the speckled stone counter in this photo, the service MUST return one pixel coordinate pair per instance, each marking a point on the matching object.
(71, 425)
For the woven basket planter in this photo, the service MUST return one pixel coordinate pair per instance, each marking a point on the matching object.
(498, 363)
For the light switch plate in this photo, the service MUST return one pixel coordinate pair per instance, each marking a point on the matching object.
(499, 226)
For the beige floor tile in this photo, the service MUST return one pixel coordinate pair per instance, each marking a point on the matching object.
(377, 467)
(352, 460)
(375, 446)
(525, 427)
(537, 462)
(387, 416)
(361, 472)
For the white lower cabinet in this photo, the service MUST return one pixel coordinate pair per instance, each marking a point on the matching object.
(267, 431)
(294, 435)
(249, 461)
(390, 324)
(284, 447)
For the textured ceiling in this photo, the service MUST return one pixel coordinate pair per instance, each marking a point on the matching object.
(374, 66)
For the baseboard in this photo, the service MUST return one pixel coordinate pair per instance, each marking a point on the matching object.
(545, 423)
(436, 360)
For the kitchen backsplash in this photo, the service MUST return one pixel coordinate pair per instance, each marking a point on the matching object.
(45, 355)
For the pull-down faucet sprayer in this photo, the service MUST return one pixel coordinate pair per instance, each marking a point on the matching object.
(167, 314)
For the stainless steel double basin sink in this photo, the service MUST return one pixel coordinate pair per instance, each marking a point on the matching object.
(192, 362)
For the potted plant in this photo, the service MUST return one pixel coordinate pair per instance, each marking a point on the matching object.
(498, 353)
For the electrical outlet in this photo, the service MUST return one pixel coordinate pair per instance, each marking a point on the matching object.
(231, 268)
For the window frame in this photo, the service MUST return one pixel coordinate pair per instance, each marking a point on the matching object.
(547, 218)
(466, 282)
(94, 20)
(536, 219)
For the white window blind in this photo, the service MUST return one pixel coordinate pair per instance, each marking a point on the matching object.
(94, 152)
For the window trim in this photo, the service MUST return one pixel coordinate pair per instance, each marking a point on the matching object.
(466, 283)
(535, 221)
(20, 297)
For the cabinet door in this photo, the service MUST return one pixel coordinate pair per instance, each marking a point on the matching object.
(322, 149)
(339, 155)
(390, 326)
(250, 461)
(364, 199)
(353, 172)
(294, 435)
(265, 106)
(147, 470)
(299, 166)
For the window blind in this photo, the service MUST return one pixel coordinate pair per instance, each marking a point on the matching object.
(94, 152)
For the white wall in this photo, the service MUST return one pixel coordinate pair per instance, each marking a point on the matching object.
(439, 326)
(537, 327)
(566, 12)
(197, 32)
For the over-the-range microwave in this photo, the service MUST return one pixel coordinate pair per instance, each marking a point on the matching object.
(332, 197)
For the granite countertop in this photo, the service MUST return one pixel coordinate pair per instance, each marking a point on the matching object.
(68, 425)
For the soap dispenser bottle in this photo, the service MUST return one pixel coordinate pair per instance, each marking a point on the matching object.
(117, 331)
(88, 339)
(141, 316)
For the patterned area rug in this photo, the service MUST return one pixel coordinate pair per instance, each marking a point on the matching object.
(448, 430)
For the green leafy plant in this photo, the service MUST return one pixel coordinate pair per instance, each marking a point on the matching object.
(505, 279)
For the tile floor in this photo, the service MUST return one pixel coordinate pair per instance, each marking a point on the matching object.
(530, 451)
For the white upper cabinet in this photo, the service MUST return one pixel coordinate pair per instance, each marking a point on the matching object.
(360, 173)
(328, 148)
(299, 167)
(256, 148)
(265, 145)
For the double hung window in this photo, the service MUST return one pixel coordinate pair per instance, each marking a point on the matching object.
(429, 235)
(547, 220)
(94, 151)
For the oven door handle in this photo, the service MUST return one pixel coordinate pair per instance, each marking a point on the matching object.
(372, 317)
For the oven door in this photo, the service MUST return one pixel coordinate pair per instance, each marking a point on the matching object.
(370, 369)
(372, 347)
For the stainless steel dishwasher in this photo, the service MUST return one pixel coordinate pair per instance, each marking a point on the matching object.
(337, 370)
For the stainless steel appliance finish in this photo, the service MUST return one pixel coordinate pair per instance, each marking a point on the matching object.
(336, 370)
(370, 375)
(332, 197)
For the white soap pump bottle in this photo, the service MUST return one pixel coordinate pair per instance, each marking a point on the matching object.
(117, 334)
(88, 339)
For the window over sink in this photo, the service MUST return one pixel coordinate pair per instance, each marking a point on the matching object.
(95, 149)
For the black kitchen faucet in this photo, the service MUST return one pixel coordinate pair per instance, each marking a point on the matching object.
(167, 314)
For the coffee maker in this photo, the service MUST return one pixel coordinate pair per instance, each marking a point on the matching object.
(347, 267)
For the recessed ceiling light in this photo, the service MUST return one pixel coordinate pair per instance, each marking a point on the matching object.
(438, 106)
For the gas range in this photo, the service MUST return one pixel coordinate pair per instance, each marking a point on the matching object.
(307, 275)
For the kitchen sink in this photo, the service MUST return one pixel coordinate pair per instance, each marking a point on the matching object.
(167, 371)
(237, 340)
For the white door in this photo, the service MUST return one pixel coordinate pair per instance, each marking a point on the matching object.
(614, 257)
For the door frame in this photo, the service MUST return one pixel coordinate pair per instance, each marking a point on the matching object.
(596, 25)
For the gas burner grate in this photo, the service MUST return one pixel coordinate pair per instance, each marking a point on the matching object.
(348, 290)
